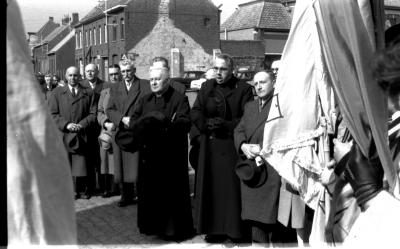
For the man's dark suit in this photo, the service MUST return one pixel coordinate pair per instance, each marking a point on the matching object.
(121, 104)
(259, 204)
(94, 160)
(81, 109)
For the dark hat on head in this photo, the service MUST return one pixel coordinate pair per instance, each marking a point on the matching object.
(75, 142)
(105, 140)
(252, 175)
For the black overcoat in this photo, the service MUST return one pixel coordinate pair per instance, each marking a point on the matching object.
(260, 203)
(94, 160)
(122, 103)
(66, 109)
(218, 204)
(164, 206)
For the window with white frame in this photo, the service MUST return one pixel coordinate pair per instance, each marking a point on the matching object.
(94, 36)
(80, 39)
(90, 37)
(105, 33)
(99, 34)
(122, 28)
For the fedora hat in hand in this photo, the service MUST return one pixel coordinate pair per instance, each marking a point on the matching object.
(127, 140)
(252, 175)
(75, 142)
(105, 140)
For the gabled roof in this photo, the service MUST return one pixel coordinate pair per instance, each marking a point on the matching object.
(97, 11)
(55, 33)
(47, 28)
(259, 14)
(62, 42)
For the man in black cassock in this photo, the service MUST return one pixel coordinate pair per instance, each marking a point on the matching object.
(161, 123)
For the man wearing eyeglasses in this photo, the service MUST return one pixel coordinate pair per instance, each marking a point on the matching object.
(216, 112)
(124, 97)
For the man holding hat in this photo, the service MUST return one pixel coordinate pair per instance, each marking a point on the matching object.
(73, 109)
(124, 96)
(106, 136)
(92, 81)
(260, 183)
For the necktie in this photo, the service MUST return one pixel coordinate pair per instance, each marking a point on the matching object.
(73, 92)
(260, 107)
(128, 86)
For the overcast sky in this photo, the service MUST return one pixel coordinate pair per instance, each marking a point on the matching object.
(36, 12)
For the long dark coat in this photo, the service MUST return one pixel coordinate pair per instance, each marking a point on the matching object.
(95, 128)
(122, 103)
(66, 109)
(164, 206)
(218, 204)
(261, 203)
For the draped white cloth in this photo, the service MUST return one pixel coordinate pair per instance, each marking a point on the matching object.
(302, 104)
(40, 204)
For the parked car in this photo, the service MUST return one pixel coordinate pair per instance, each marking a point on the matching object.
(188, 76)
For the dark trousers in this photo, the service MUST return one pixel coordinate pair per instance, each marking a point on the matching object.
(80, 184)
(93, 167)
(272, 233)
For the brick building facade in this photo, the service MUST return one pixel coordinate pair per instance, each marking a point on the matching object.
(40, 52)
(185, 32)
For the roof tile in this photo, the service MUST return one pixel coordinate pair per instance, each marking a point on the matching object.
(259, 14)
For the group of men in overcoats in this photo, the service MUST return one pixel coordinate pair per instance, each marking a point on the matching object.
(140, 137)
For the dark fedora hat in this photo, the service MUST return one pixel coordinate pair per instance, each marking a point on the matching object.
(127, 140)
(252, 175)
(75, 142)
(105, 140)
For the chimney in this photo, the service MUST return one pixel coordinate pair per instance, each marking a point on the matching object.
(75, 19)
(65, 20)
(51, 19)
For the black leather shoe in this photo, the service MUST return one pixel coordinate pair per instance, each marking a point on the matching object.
(215, 238)
(124, 203)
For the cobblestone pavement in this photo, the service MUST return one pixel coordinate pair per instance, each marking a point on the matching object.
(101, 223)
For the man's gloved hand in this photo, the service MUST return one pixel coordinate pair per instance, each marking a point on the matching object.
(214, 123)
(365, 176)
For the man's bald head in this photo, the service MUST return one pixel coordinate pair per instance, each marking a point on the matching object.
(261, 76)
(72, 75)
(91, 72)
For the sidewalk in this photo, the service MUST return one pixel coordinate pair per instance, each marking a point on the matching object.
(101, 223)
